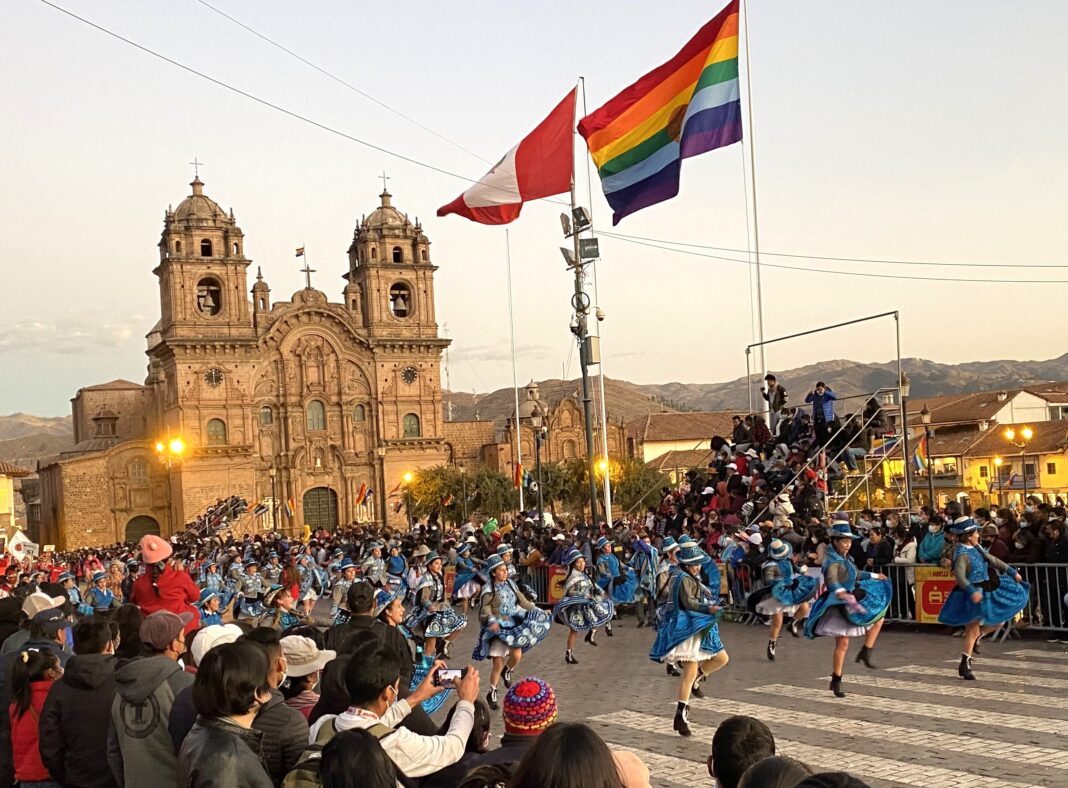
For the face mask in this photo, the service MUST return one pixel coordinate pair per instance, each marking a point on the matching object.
(987, 542)
(999, 520)
(1029, 508)
(1019, 545)
(933, 529)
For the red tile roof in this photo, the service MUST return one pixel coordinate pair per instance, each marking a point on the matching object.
(683, 460)
(681, 426)
(14, 471)
(1049, 437)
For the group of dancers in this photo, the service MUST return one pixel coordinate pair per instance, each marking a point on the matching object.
(674, 587)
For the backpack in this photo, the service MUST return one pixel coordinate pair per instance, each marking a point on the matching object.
(306, 773)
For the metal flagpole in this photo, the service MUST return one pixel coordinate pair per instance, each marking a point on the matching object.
(515, 379)
(600, 366)
(753, 192)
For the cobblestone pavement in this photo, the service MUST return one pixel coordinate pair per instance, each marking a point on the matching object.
(911, 721)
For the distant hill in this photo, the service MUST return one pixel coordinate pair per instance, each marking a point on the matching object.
(25, 438)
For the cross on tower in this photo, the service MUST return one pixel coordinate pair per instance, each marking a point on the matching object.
(307, 270)
(384, 178)
(196, 167)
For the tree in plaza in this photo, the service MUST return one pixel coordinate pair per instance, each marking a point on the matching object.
(439, 491)
(635, 485)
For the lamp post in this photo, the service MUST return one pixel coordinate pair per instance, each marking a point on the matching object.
(274, 497)
(408, 495)
(903, 385)
(998, 462)
(1025, 434)
(537, 421)
(168, 452)
(463, 485)
(925, 417)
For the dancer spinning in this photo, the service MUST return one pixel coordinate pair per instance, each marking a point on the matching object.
(433, 616)
(511, 625)
(839, 612)
(584, 606)
(614, 578)
(689, 631)
(467, 583)
(786, 593)
(982, 600)
(646, 563)
(669, 567)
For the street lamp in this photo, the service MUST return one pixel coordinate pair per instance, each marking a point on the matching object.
(998, 462)
(274, 496)
(169, 452)
(408, 493)
(537, 422)
(1025, 437)
(925, 417)
(903, 386)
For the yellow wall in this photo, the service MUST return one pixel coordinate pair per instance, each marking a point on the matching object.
(7, 504)
(653, 449)
(1053, 483)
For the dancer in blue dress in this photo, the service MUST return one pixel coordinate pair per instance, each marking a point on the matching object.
(989, 592)
(584, 606)
(511, 625)
(646, 563)
(99, 597)
(615, 578)
(785, 593)
(669, 567)
(468, 582)
(852, 604)
(433, 616)
(689, 631)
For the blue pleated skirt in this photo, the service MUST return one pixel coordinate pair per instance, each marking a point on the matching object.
(997, 606)
(436, 625)
(523, 633)
(876, 600)
(679, 626)
(800, 588)
(623, 593)
(582, 613)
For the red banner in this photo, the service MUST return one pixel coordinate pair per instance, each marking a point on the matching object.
(555, 589)
(933, 585)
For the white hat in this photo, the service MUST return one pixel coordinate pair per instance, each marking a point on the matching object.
(302, 655)
(471, 540)
(211, 636)
(559, 538)
(707, 491)
(39, 601)
(751, 453)
(756, 539)
(732, 465)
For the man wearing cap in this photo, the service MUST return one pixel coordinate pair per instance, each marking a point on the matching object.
(183, 714)
(140, 749)
(32, 605)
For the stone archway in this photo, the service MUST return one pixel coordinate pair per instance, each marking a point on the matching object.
(140, 526)
(320, 508)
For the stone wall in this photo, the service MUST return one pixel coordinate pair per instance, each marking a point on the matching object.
(466, 438)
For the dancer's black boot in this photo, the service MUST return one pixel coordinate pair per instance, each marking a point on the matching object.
(964, 670)
(682, 725)
(864, 655)
(836, 686)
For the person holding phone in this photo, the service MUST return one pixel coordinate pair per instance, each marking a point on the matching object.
(511, 625)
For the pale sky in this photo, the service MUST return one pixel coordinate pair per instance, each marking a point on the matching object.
(884, 130)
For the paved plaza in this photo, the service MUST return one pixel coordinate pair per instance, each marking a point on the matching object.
(911, 722)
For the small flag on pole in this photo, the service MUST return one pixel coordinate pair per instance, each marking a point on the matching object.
(261, 509)
(921, 459)
(517, 477)
(291, 507)
(394, 492)
(447, 500)
(300, 251)
(361, 496)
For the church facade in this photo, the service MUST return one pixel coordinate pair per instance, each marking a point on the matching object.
(315, 408)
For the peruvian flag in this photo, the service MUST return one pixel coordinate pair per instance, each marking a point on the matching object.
(539, 166)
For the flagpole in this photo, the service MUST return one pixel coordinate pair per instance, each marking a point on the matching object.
(600, 366)
(515, 378)
(753, 194)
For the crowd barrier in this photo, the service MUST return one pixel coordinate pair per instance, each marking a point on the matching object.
(919, 593)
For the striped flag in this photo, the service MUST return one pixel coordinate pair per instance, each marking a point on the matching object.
(261, 509)
(300, 251)
(291, 507)
(517, 475)
(447, 500)
(685, 107)
(393, 493)
(920, 458)
(361, 496)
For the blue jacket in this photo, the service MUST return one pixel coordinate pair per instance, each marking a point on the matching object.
(930, 549)
(822, 405)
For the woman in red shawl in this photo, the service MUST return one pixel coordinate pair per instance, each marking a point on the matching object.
(164, 585)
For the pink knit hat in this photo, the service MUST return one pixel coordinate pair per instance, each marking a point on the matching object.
(154, 549)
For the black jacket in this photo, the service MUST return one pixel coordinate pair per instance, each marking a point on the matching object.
(508, 755)
(285, 736)
(220, 754)
(74, 723)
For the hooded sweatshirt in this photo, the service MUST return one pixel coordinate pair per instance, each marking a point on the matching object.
(140, 751)
(74, 723)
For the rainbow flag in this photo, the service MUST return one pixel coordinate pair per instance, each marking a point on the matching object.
(920, 458)
(517, 476)
(291, 507)
(361, 496)
(687, 106)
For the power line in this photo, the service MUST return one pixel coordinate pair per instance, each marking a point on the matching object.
(621, 236)
(341, 81)
(658, 245)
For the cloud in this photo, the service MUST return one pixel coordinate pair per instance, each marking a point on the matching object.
(72, 334)
(494, 353)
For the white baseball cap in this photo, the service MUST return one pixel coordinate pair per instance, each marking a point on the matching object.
(211, 636)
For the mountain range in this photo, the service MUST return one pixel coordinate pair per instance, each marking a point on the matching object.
(25, 438)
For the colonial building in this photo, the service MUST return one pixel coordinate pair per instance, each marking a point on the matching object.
(316, 408)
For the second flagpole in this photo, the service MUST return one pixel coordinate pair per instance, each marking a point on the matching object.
(517, 471)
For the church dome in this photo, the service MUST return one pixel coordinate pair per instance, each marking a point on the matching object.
(386, 217)
(198, 207)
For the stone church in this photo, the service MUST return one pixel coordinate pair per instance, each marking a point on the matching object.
(315, 407)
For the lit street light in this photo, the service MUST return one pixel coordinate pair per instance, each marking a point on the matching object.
(998, 462)
(1025, 437)
(408, 476)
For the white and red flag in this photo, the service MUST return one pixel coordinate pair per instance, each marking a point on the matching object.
(539, 166)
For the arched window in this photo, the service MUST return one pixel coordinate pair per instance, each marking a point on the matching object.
(359, 413)
(205, 248)
(316, 420)
(178, 247)
(569, 450)
(398, 256)
(266, 416)
(216, 432)
(400, 300)
(423, 255)
(411, 426)
(137, 470)
(209, 296)
(374, 253)
(237, 249)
